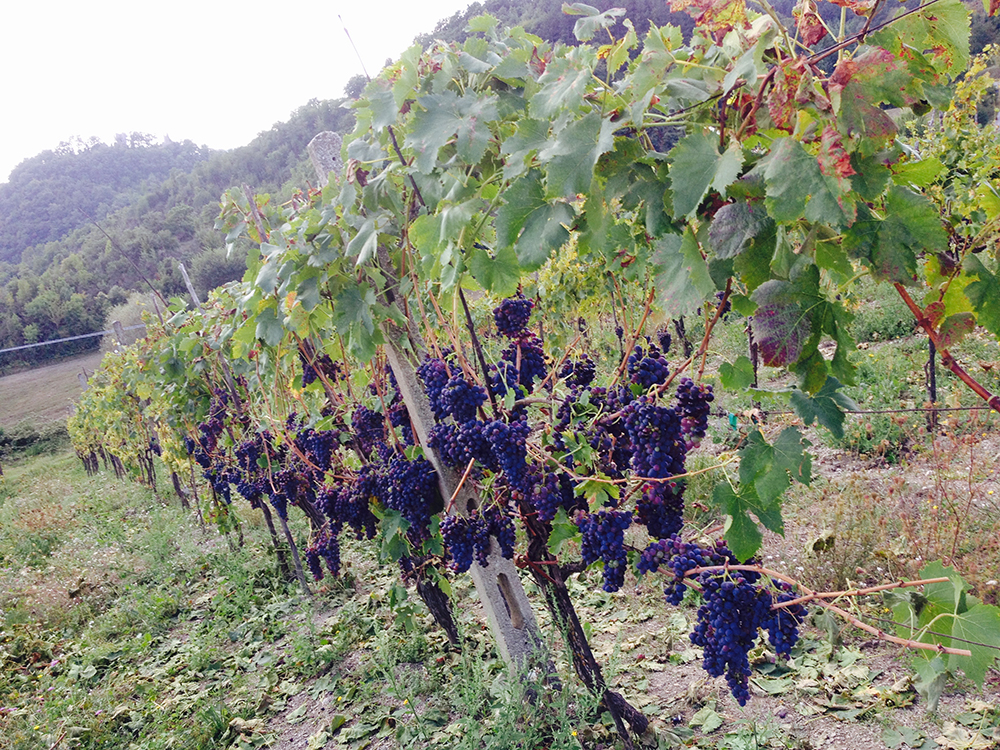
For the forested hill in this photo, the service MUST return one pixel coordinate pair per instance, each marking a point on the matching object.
(52, 193)
(59, 274)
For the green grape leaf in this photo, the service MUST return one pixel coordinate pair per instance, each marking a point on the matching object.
(931, 677)
(563, 85)
(530, 137)
(563, 529)
(572, 155)
(983, 293)
(754, 262)
(918, 173)
(682, 277)
(497, 273)
(797, 188)
(980, 625)
(269, 328)
(736, 376)
(593, 19)
(742, 533)
(696, 165)
(889, 246)
(830, 256)
(772, 468)
(826, 407)
(530, 224)
(780, 325)
(444, 116)
(735, 225)
(956, 327)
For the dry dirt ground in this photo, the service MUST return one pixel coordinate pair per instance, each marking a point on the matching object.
(44, 394)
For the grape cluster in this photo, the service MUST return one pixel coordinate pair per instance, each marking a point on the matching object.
(783, 625)
(647, 369)
(468, 538)
(547, 491)
(508, 446)
(659, 452)
(733, 612)
(693, 402)
(434, 373)
(457, 538)
(459, 444)
(323, 363)
(512, 316)
(325, 547)
(369, 428)
(680, 557)
(604, 539)
(579, 372)
(461, 399)
(318, 446)
(411, 488)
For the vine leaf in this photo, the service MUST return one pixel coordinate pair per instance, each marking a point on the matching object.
(499, 274)
(564, 83)
(983, 293)
(593, 19)
(682, 276)
(445, 116)
(942, 30)
(696, 165)
(956, 327)
(735, 225)
(826, 407)
(714, 15)
(780, 325)
(889, 246)
(571, 157)
(772, 468)
(797, 188)
(738, 375)
(530, 224)
(742, 533)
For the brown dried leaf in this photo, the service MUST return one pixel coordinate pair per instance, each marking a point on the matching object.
(808, 22)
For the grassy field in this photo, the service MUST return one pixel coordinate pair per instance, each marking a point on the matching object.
(44, 394)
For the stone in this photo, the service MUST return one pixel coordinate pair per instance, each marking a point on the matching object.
(324, 151)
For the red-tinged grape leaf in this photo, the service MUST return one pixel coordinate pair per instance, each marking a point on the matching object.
(714, 15)
(934, 312)
(826, 407)
(780, 325)
(735, 225)
(682, 278)
(956, 327)
(834, 161)
(695, 166)
(808, 22)
(941, 30)
(797, 188)
(781, 102)
(983, 293)
(991, 7)
(861, 7)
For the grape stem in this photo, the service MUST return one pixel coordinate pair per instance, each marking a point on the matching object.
(459, 486)
(857, 592)
(880, 634)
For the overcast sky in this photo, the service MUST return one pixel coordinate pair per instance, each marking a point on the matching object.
(216, 73)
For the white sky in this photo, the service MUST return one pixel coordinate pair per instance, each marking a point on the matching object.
(217, 73)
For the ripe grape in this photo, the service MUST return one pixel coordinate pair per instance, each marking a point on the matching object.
(693, 403)
(604, 539)
(512, 316)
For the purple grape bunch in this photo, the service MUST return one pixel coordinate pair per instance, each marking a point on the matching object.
(604, 539)
(694, 404)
